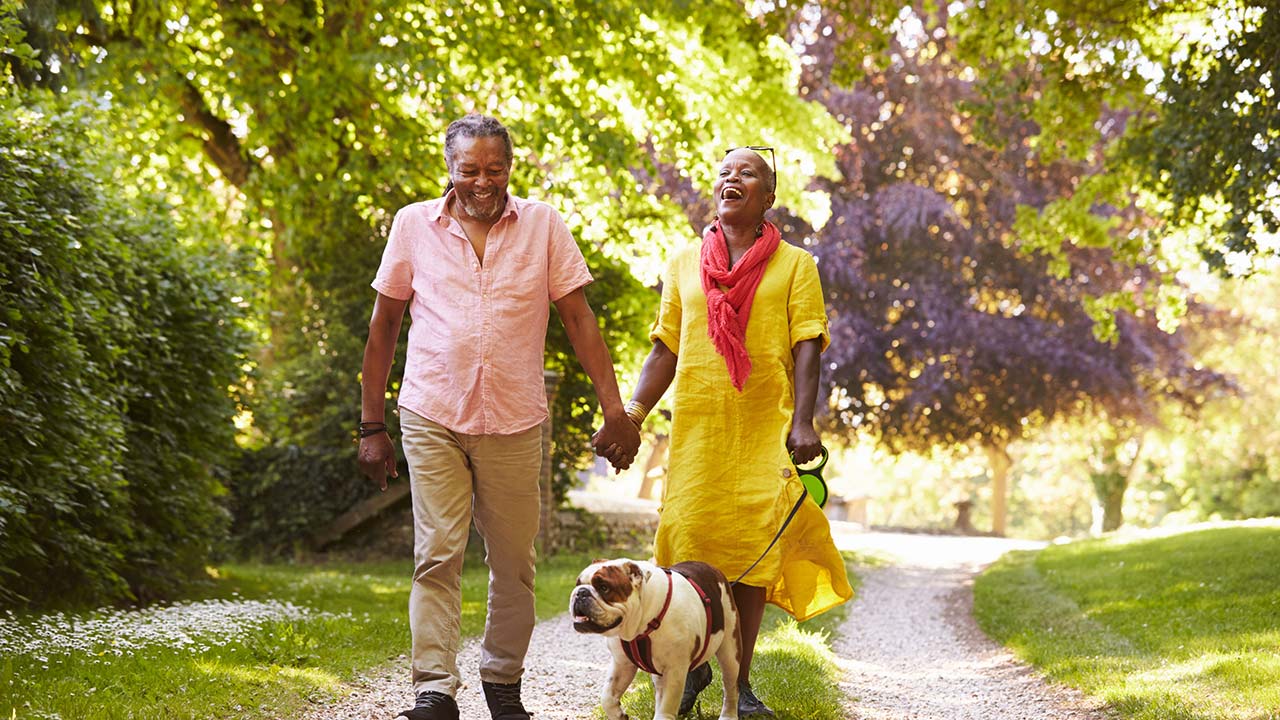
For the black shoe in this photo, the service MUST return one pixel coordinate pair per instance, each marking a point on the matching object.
(749, 705)
(697, 681)
(504, 701)
(432, 705)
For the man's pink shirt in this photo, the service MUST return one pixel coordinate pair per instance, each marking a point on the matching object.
(475, 356)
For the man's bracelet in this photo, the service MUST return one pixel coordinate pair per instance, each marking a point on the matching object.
(369, 429)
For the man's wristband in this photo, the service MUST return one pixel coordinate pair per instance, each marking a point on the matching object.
(369, 429)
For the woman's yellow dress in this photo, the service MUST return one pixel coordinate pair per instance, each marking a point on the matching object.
(730, 481)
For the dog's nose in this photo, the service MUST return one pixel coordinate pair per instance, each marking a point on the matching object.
(581, 604)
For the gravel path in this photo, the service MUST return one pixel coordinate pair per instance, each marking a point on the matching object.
(911, 649)
(564, 672)
(908, 650)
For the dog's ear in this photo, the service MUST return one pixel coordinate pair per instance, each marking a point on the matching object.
(597, 561)
(634, 571)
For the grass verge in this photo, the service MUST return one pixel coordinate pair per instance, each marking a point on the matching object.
(794, 669)
(1181, 627)
(299, 632)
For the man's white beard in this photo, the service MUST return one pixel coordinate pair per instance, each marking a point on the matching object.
(483, 211)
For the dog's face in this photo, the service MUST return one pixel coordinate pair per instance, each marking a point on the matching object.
(607, 591)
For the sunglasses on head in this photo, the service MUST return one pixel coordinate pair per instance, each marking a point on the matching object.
(760, 149)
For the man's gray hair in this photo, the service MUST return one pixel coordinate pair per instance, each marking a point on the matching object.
(474, 126)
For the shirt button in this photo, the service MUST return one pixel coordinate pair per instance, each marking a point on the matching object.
(786, 472)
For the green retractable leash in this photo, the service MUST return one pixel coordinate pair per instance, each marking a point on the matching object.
(812, 479)
(815, 488)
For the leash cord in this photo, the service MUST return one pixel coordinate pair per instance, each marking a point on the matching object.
(804, 493)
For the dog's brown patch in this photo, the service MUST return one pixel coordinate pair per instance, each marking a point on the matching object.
(712, 582)
(613, 582)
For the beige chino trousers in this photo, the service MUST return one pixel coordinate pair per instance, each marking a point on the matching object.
(453, 478)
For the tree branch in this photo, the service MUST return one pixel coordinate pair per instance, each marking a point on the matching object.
(220, 143)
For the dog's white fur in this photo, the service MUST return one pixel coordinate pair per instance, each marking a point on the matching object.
(618, 599)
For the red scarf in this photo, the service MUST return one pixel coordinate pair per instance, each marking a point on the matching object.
(729, 309)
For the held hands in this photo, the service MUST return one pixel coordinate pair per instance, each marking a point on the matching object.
(618, 441)
(377, 458)
(804, 443)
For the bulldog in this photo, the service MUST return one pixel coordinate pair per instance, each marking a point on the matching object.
(665, 621)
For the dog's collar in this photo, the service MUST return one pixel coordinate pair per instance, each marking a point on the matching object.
(639, 650)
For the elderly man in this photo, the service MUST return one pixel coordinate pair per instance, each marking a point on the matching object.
(478, 270)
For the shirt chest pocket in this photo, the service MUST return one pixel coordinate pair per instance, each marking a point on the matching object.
(521, 277)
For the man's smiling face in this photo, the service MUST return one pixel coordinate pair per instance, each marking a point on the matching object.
(480, 173)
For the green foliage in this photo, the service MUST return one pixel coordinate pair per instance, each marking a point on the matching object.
(316, 121)
(1245, 487)
(1175, 97)
(1217, 139)
(1226, 462)
(1163, 627)
(1072, 220)
(118, 345)
(15, 52)
(282, 494)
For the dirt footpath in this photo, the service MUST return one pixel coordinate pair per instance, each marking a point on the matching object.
(911, 649)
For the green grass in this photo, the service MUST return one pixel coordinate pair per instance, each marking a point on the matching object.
(794, 669)
(1182, 627)
(272, 671)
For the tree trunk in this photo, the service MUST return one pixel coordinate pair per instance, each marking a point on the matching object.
(1114, 479)
(228, 154)
(999, 461)
(1113, 508)
(963, 523)
(653, 468)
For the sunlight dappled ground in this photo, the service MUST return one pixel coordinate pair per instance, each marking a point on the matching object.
(1159, 623)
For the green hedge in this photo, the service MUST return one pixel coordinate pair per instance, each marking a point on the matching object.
(119, 341)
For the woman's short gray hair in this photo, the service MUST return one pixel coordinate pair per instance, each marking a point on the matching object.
(474, 126)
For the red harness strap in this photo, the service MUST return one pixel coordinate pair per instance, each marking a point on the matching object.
(639, 650)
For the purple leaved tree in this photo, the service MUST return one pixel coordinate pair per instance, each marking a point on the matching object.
(944, 332)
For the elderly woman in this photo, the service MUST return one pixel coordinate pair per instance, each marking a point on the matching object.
(739, 330)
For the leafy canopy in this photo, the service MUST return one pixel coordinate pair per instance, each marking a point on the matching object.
(314, 122)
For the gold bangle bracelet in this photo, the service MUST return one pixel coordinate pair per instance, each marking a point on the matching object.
(637, 411)
(636, 405)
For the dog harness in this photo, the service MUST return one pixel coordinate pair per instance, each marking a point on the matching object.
(639, 650)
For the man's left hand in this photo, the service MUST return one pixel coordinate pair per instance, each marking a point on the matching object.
(804, 443)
